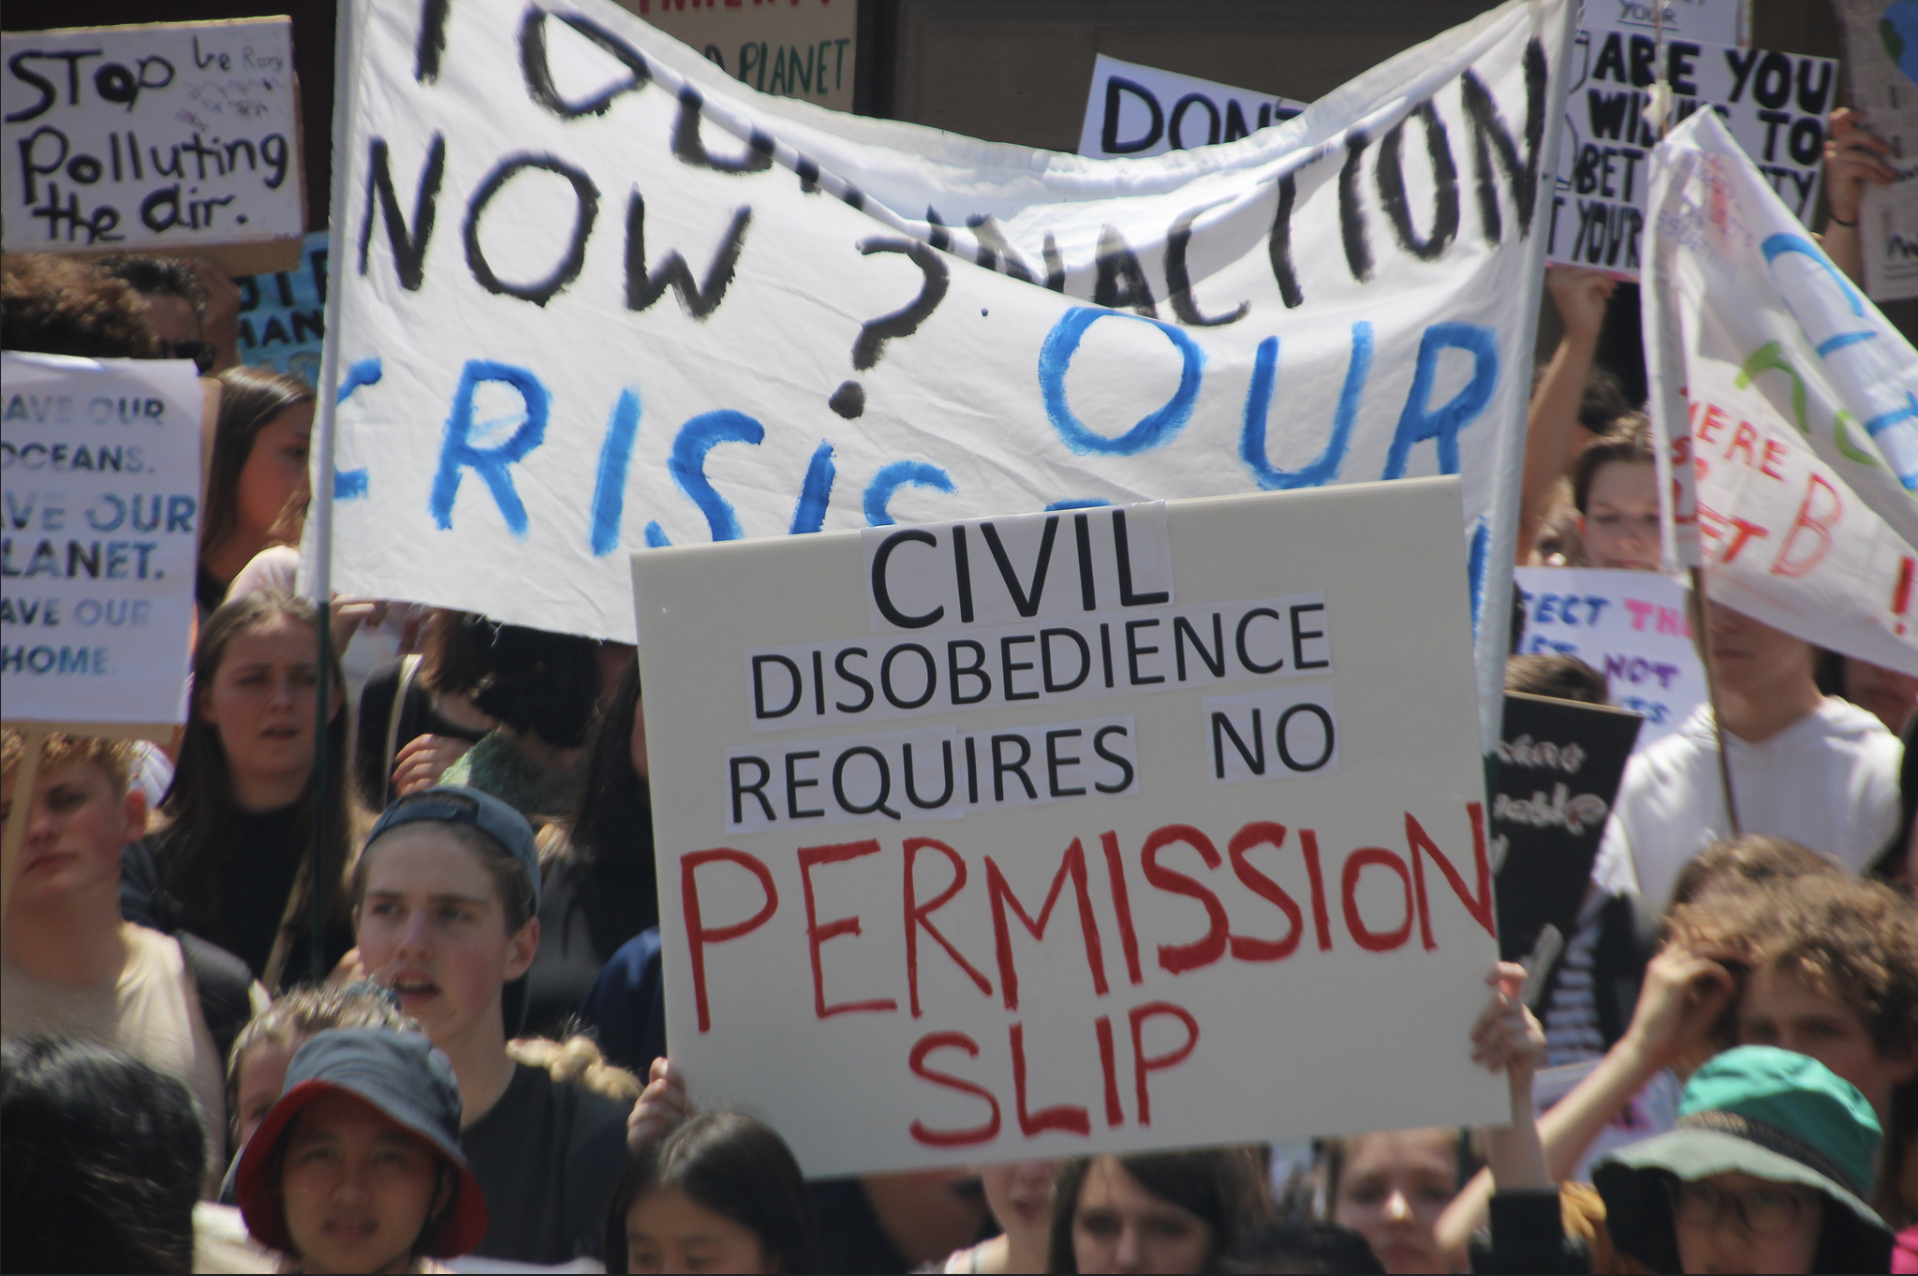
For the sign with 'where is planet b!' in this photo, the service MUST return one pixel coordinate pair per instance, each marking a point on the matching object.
(100, 489)
(167, 138)
(1100, 829)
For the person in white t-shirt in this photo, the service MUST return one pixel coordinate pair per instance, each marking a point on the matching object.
(1804, 766)
(70, 967)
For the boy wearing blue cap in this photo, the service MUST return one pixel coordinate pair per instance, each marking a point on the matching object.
(358, 1167)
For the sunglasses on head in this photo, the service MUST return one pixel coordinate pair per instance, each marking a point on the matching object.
(201, 352)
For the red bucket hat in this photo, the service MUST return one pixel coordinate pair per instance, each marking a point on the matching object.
(403, 1078)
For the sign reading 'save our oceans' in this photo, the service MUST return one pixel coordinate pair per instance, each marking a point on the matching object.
(171, 138)
(100, 480)
(686, 312)
(1069, 832)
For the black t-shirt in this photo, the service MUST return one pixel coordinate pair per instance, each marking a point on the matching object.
(372, 764)
(585, 915)
(548, 1156)
(250, 895)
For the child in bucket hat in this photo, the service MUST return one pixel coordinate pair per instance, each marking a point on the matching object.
(358, 1167)
(1768, 1169)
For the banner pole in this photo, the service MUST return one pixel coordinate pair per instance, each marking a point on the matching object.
(1711, 697)
(319, 544)
(1501, 548)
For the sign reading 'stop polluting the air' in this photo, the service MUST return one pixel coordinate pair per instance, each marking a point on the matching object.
(171, 138)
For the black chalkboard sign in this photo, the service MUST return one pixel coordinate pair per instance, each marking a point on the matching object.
(1559, 767)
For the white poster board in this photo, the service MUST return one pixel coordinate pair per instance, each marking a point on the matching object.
(1633, 627)
(1774, 103)
(1784, 402)
(1236, 792)
(1881, 62)
(1133, 109)
(100, 482)
(169, 138)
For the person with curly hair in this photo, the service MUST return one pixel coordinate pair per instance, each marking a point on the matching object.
(63, 305)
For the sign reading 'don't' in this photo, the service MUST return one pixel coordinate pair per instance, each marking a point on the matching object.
(1097, 829)
(168, 138)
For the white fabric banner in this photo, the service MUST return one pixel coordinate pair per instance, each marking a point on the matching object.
(1788, 406)
(592, 294)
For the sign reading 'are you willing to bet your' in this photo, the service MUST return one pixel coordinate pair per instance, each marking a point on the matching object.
(1098, 829)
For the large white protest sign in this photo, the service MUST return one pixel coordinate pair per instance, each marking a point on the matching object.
(1141, 110)
(1633, 627)
(591, 294)
(1775, 104)
(1881, 61)
(173, 137)
(100, 478)
(1190, 838)
(1789, 409)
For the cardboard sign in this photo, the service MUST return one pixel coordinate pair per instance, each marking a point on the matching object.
(1073, 832)
(1881, 65)
(1141, 110)
(795, 48)
(1784, 399)
(1633, 627)
(1701, 21)
(1559, 765)
(686, 312)
(169, 138)
(283, 314)
(1774, 103)
(100, 479)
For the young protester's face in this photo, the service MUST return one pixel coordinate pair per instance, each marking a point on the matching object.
(1121, 1226)
(261, 698)
(1620, 526)
(1392, 1188)
(75, 832)
(1884, 693)
(669, 1231)
(1737, 1223)
(1019, 1194)
(432, 927)
(358, 1189)
(274, 471)
(1784, 1009)
(1750, 654)
(262, 1075)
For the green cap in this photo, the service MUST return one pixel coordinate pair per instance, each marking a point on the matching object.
(1768, 1113)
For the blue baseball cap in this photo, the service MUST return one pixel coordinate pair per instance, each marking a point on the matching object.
(456, 804)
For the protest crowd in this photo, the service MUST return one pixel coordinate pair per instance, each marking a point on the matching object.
(367, 962)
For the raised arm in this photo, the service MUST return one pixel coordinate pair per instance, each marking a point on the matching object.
(1854, 155)
(1551, 430)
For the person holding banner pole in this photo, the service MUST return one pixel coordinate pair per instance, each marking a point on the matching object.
(1854, 155)
(1806, 767)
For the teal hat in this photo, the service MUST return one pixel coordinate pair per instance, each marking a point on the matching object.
(1768, 1113)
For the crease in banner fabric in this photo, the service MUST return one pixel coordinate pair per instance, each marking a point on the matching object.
(1786, 408)
(620, 300)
